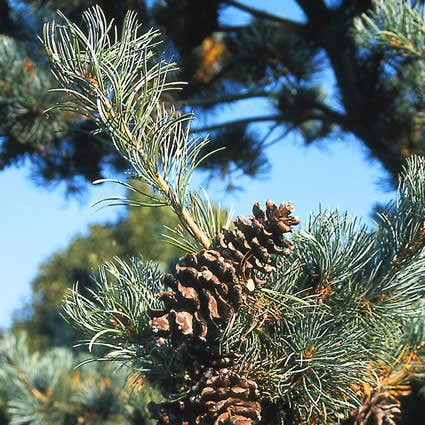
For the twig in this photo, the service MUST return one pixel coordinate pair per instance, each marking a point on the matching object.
(265, 15)
(222, 99)
(182, 213)
(275, 117)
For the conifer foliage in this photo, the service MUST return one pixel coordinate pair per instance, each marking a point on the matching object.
(44, 389)
(282, 59)
(253, 326)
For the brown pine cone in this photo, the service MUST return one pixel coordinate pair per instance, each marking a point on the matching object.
(205, 291)
(206, 288)
(252, 243)
(221, 397)
(228, 398)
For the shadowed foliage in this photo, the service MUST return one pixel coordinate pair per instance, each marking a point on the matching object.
(317, 75)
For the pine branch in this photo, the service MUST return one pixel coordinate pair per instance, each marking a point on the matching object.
(119, 307)
(313, 9)
(397, 26)
(223, 99)
(161, 183)
(249, 322)
(213, 127)
(118, 82)
(291, 25)
(322, 113)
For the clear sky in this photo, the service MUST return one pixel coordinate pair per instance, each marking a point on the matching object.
(36, 222)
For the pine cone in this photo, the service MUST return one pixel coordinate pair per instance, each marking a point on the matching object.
(228, 399)
(206, 287)
(221, 397)
(252, 243)
(205, 291)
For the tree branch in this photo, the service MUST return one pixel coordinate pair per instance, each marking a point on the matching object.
(334, 115)
(313, 9)
(230, 28)
(163, 185)
(213, 127)
(222, 99)
(264, 15)
(326, 112)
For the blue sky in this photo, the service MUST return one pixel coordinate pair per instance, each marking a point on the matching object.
(36, 222)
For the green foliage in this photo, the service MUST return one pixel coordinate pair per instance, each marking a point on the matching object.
(397, 25)
(138, 233)
(337, 320)
(116, 316)
(286, 63)
(118, 81)
(46, 389)
(346, 299)
(120, 301)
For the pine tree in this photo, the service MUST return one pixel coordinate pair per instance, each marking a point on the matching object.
(286, 63)
(281, 61)
(257, 324)
(47, 390)
(61, 146)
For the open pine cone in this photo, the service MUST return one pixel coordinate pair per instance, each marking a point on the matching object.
(208, 286)
(221, 397)
(252, 243)
(206, 290)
